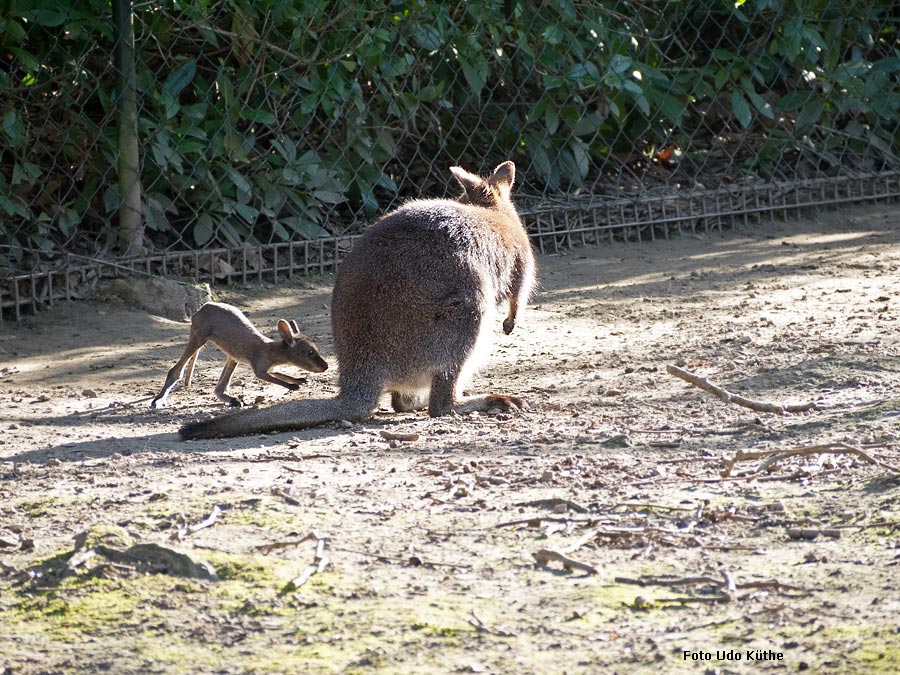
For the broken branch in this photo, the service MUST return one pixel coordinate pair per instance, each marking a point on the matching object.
(394, 436)
(810, 533)
(771, 457)
(320, 561)
(555, 503)
(180, 533)
(728, 397)
(728, 583)
(545, 555)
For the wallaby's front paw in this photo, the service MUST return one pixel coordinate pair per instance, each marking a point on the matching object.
(235, 402)
(508, 326)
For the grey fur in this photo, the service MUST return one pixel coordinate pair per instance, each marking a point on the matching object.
(413, 308)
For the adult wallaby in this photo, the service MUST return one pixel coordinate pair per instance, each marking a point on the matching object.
(231, 331)
(413, 309)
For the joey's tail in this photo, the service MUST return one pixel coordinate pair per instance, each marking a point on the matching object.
(283, 417)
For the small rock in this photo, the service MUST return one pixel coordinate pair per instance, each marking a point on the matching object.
(172, 299)
(617, 441)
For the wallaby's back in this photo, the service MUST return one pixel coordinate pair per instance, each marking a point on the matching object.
(416, 287)
(413, 307)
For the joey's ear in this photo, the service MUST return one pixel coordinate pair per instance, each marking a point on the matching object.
(293, 326)
(504, 174)
(469, 181)
(284, 330)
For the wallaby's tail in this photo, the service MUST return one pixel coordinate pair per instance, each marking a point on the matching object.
(284, 417)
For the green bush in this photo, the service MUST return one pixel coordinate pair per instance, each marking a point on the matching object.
(284, 119)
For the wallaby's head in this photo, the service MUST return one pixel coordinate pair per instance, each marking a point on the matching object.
(491, 192)
(301, 350)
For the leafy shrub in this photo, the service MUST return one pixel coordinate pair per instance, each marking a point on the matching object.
(282, 119)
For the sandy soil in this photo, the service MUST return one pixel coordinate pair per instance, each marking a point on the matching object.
(347, 549)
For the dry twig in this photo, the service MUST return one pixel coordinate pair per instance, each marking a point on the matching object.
(395, 436)
(556, 503)
(535, 521)
(728, 397)
(320, 561)
(210, 520)
(811, 533)
(482, 627)
(545, 555)
(727, 583)
(771, 457)
(715, 598)
(646, 505)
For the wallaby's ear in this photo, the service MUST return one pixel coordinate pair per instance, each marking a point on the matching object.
(294, 328)
(284, 330)
(504, 175)
(471, 183)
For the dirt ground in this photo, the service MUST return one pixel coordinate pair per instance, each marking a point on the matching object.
(628, 522)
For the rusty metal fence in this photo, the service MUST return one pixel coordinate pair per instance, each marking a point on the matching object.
(265, 135)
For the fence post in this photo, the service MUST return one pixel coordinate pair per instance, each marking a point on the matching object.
(131, 224)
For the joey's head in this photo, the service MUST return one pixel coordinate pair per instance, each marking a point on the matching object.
(301, 350)
(492, 192)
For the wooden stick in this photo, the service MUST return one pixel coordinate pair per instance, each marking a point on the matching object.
(728, 397)
(772, 456)
(554, 503)
(812, 533)
(837, 448)
(481, 627)
(320, 562)
(714, 599)
(687, 581)
(647, 505)
(395, 436)
(545, 555)
(536, 521)
(209, 521)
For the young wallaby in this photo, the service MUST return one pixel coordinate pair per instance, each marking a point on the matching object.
(231, 331)
(413, 309)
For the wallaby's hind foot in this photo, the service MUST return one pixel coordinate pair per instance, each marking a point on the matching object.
(443, 399)
(499, 402)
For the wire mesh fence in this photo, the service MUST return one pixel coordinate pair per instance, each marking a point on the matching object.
(266, 134)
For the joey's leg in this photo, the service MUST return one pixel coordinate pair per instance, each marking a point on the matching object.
(285, 381)
(224, 380)
(177, 371)
(189, 369)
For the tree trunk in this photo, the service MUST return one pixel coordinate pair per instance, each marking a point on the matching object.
(131, 223)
